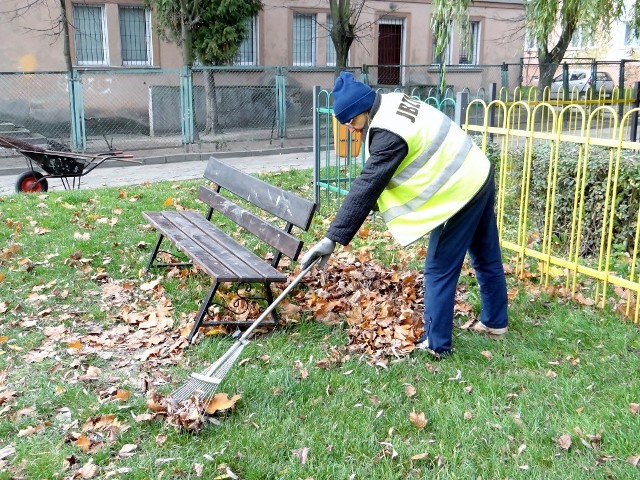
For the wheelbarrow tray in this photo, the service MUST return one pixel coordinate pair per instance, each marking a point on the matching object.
(67, 166)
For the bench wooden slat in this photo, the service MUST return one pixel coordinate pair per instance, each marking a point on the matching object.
(215, 252)
(246, 265)
(274, 236)
(208, 264)
(286, 205)
(215, 243)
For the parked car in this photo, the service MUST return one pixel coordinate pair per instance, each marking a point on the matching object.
(580, 82)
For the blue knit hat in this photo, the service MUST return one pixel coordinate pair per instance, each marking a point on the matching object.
(351, 97)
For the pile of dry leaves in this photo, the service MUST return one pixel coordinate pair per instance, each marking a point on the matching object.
(381, 306)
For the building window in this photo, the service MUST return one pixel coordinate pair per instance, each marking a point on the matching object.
(331, 48)
(248, 52)
(579, 40)
(304, 39)
(446, 55)
(89, 35)
(135, 35)
(630, 35)
(469, 56)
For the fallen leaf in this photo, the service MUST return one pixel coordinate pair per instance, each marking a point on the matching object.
(122, 395)
(93, 373)
(144, 417)
(420, 456)
(418, 419)
(88, 470)
(634, 408)
(149, 285)
(7, 451)
(302, 455)
(84, 443)
(27, 432)
(635, 460)
(221, 401)
(127, 450)
(564, 441)
(409, 390)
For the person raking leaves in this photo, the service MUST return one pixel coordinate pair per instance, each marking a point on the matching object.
(424, 175)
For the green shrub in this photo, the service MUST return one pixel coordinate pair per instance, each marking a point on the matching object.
(595, 191)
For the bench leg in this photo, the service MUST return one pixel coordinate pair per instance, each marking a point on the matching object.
(269, 294)
(155, 251)
(203, 310)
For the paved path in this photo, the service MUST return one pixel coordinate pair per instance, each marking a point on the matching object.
(105, 176)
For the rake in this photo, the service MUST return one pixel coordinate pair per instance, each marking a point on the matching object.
(204, 384)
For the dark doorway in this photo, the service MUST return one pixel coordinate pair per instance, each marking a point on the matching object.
(389, 53)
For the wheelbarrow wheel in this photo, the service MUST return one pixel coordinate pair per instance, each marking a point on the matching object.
(31, 181)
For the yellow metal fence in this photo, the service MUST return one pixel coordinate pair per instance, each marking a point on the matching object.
(545, 154)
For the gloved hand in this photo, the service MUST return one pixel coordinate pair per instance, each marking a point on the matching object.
(324, 248)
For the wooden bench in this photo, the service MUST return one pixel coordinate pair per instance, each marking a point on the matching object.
(215, 252)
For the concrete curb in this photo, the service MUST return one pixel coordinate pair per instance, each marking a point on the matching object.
(15, 165)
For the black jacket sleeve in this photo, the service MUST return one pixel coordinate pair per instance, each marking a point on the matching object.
(387, 150)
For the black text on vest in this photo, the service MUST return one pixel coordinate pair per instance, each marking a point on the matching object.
(409, 108)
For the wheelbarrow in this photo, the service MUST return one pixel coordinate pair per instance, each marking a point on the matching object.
(69, 167)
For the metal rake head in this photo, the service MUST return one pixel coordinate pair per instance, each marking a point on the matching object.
(205, 383)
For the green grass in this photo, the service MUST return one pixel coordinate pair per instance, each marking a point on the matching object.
(563, 370)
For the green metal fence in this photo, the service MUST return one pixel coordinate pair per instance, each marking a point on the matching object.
(213, 108)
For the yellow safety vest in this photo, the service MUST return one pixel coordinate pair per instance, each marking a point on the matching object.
(443, 170)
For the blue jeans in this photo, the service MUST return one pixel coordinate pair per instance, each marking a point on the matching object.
(472, 229)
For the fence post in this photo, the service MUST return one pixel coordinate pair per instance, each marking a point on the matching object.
(634, 118)
(365, 74)
(504, 77)
(462, 102)
(316, 145)
(281, 104)
(594, 79)
(621, 87)
(493, 93)
(186, 105)
(565, 81)
(76, 107)
(521, 75)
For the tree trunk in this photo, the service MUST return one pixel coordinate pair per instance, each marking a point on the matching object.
(342, 33)
(547, 71)
(185, 35)
(548, 60)
(66, 48)
(211, 96)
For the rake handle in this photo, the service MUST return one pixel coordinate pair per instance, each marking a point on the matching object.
(275, 303)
